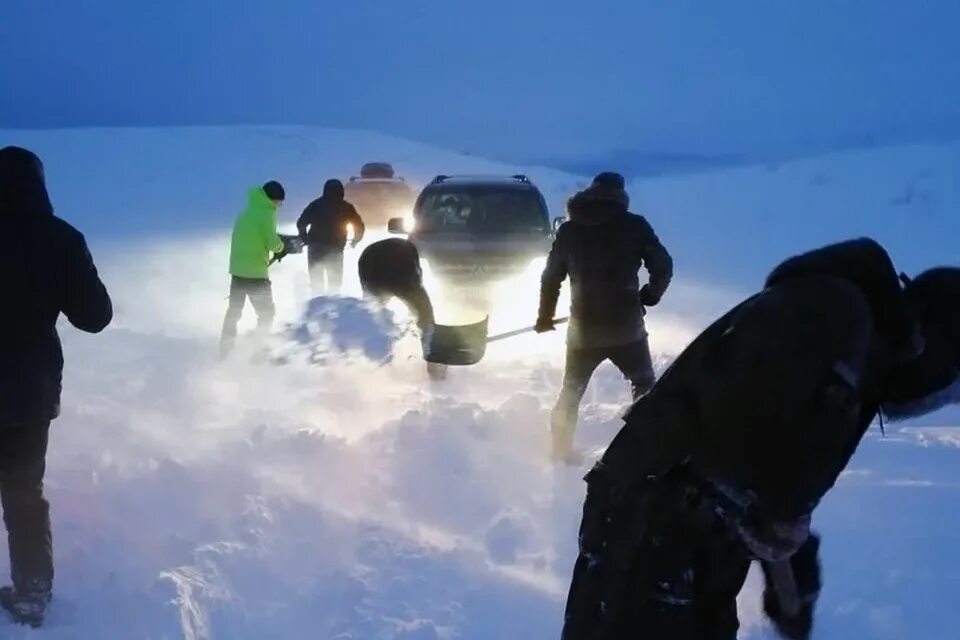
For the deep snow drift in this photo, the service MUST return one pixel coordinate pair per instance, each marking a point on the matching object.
(341, 494)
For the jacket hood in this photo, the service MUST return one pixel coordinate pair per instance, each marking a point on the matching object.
(333, 190)
(258, 198)
(596, 206)
(23, 191)
(931, 380)
(935, 294)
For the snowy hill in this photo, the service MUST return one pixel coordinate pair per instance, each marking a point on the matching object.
(197, 500)
(729, 222)
(170, 181)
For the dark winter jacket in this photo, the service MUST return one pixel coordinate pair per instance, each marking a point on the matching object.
(324, 222)
(916, 352)
(391, 267)
(819, 354)
(759, 415)
(47, 270)
(602, 248)
(766, 399)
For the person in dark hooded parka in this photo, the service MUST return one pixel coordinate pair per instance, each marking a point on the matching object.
(602, 248)
(47, 271)
(323, 227)
(723, 462)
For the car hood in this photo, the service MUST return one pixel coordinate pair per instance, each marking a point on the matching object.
(453, 251)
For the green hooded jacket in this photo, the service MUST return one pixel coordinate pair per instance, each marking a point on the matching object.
(254, 237)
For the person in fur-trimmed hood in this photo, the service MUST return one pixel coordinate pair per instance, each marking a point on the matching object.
(602, 248)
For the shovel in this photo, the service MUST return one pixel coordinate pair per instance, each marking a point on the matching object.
(291, 244)
(466, 344)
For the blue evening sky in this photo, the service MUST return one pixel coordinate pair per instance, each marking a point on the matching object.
(498, 77)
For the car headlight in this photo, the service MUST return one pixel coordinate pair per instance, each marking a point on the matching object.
(409, 222)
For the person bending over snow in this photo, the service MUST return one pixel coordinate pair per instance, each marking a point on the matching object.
(725, 459)
(391, 268)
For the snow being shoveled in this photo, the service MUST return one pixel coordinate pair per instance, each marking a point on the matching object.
(338, 492)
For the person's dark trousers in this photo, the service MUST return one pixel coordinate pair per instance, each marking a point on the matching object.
(655, 563)
(633, 360)
(26, 513)
(260, 293)
(326, 268)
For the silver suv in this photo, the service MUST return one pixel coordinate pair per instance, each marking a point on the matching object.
(475, 233)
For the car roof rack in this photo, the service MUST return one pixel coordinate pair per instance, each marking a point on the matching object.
(393, 179)
(517, 178)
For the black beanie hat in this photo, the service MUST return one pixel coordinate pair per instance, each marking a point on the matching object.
(610, 179)
(610, 187)
(274, 191)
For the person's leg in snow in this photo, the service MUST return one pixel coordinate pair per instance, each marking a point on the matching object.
(578, 369)
(333, 265)
(635, 363)
(260, 293)
(238, 297)
(26, 514)
(316, 270)
(261, 297)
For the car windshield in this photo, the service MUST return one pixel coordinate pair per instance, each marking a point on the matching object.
(375, 196)
(482, 210)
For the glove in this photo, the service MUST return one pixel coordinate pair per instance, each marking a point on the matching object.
(647, 298)
(280, 255)
(806, 571)
(796, 627)
(543, 325)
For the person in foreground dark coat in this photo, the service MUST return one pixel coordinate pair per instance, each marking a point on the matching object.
(602, 248)
(723, 462)
(47, 271)
(323, 227)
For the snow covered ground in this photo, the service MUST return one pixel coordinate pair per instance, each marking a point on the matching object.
(357, 500)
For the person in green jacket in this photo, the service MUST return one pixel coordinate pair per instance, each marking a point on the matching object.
(254, 239)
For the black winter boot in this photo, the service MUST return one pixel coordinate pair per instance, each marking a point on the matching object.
(25, 608)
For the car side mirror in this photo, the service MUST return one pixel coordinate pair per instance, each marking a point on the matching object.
(557, 222)
(395, 225)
